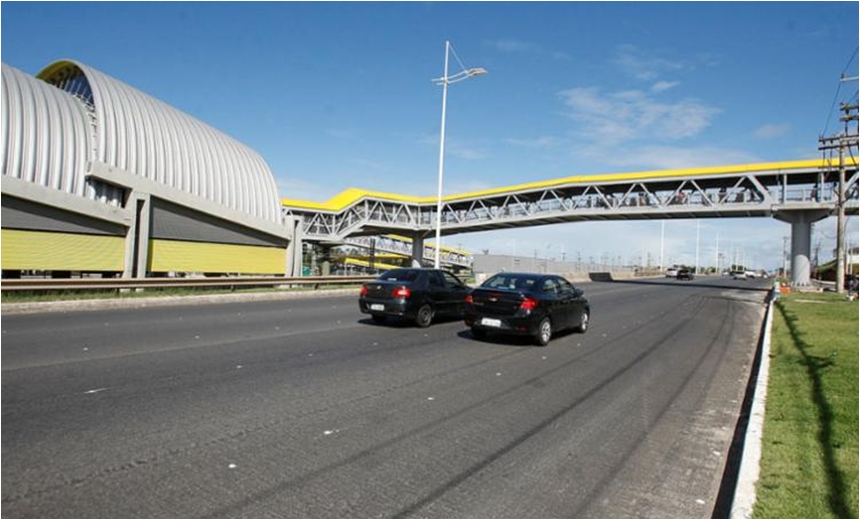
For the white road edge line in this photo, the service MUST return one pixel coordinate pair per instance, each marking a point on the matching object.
(744, 498)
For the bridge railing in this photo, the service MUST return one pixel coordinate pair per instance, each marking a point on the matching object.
(106, 284)
(739, 193)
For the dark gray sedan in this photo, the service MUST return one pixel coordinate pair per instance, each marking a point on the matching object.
(414, 294)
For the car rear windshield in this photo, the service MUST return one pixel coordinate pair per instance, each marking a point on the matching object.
(400, 275)
(511, 281)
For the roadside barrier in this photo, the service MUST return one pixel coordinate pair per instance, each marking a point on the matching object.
(99, 284)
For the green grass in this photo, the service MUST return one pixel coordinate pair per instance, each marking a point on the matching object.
(810, 445)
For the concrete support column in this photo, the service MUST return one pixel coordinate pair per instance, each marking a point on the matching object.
(417, 250)
(325, 268)
(137, 236)
(801, 242)
(801, 249)
(294, 249)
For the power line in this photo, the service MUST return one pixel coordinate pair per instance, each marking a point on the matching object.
(838, 88)
(850, 60)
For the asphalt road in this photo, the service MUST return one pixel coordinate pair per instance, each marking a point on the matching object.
(304, 408)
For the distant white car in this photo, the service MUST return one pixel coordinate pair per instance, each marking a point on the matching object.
(672, 272)
(739, 275)
(750, 274)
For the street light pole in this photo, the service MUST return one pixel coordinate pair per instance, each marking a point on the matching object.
(697, 247)
(441, 160)
(662, 233)
(445, 81)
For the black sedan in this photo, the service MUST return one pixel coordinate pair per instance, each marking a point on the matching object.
(413, 294)
(526, 304)
(685, 274)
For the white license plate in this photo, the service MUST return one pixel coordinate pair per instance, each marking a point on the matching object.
(489, 322)
(377, 307)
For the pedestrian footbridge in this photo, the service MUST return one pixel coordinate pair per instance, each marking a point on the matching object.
(797, 192)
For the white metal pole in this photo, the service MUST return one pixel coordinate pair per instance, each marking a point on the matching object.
(441, 159)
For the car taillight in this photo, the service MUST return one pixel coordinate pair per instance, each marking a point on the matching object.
(402, 292)
(529, 304)
(363, 290)
(469, 299)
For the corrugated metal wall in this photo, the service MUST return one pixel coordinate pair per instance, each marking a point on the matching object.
(181, 256)
(50, 251)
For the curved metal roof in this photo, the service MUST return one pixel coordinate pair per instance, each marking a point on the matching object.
(91, 116)
(47, 134)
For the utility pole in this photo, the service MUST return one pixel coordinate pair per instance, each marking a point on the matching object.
(841, 142)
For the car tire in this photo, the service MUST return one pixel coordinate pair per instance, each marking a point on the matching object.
(377, 318)
(479, 334)
(424, 316)
(583, 325)
(544, 333)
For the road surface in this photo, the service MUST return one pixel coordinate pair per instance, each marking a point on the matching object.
(305, 408)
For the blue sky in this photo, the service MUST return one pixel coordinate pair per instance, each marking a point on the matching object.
(334, 95)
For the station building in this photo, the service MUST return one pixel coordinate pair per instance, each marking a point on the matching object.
(99, 177)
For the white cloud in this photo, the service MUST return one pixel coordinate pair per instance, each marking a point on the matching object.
(647, 65)
(662, 86)
(512, 46)
(523, 47)
(465, 152)
(622, 116)
(672, 157)
(644, 65)
(770, 131)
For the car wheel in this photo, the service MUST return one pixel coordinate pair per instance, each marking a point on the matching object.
(583, 325)
(479, 334)
(544, 332)
(424, 316)
(377, 318)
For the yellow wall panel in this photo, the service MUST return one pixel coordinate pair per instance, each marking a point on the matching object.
(49, 251)
(204, 257)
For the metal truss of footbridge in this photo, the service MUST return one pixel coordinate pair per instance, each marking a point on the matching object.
(400, 245)
(797, 192)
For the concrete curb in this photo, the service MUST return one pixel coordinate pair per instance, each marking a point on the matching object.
(163, 301)
(748, 474)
